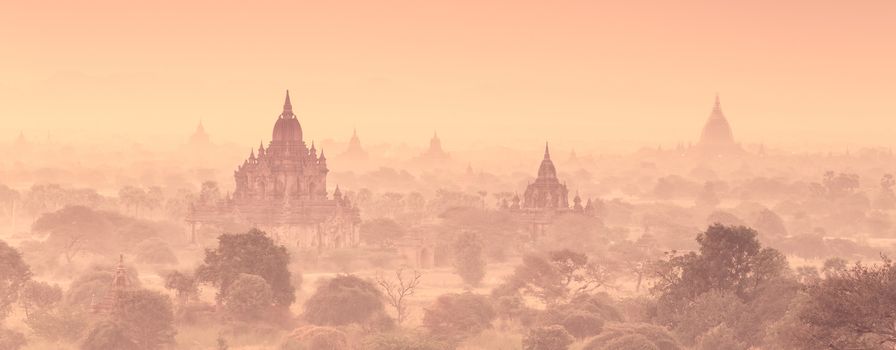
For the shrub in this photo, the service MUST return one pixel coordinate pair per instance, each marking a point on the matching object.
(249, 297)
(459, 315)
(720, 337)
(316, 338)
(342, 300)
(633, 336)
(582, 324)
(548, 338)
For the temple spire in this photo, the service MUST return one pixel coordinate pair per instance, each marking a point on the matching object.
(717, 106)
(547, 153)
(287, 106)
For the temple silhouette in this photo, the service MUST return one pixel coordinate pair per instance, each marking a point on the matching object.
(282, 190)
(717, 139)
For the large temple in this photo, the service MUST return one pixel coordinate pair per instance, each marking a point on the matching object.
(282, 190)
(717, 138)
(545, 198)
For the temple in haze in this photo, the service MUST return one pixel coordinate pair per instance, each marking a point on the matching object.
(282, 190)
(200, 137)
(546, 191)
(546, 197)
(717, 138)
(435, 153)
(354, 151)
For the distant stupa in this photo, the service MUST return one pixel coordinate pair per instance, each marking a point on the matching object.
(435, 151)
(21, 141)
(354, 150)
(199, 137)
(717, 138)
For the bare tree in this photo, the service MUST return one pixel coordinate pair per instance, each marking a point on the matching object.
(399, 288)
(73, 246)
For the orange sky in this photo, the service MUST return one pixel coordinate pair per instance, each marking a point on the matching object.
(790, 73)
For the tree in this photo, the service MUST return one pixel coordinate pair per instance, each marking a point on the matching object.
(839, 185)
(108, 336)
(14, 274)
(253, 253)
(720, 337)
(469, 263)
(8, 199)
(146, 318)
(342, 300)
(634, 257)
(155, 251)
(459, 315)
(404, 341)
(582, 324)
(183, 285)
(833, 266)
(36, 295)
(582, 317)
(11, 340)
(807, 274)
(132, 197)
(249, 297)
(854, 308)
(547, 338)
(886, 198)
(209, 193)
(707, 197)
(769, 224)
(381, 231)
(730, 258)
(396, 290)
(154, 198)
(59, 323)
(708, 311)
(558, 276)
(316, 338)
(633, 336)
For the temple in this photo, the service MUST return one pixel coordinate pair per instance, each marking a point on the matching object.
(545, 198)
(546, 191)
(717, 138)
(282, 190)
(121, 283)
(354, 151)
(200, 137)
(435, 151)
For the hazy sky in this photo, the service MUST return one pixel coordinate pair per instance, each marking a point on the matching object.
(790, 73)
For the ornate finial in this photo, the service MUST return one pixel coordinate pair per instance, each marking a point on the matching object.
(322, 157)
(547, 153)
(120, 259)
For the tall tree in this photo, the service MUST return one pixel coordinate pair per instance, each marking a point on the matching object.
(853, 309)
(147, 318)
(557, 277)
(469, 261)
(14, 274)
(252, 253)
